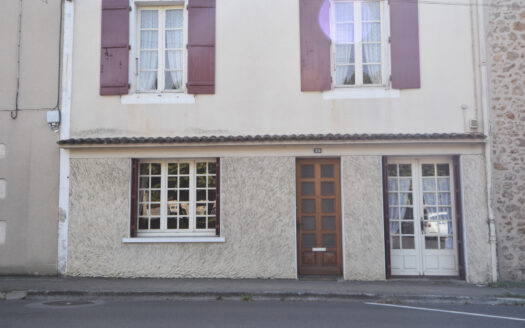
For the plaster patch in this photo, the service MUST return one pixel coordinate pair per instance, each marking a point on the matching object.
(3, 228)
(3, 188)
(2, 151)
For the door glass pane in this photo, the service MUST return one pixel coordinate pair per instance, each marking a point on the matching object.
(405, 184)
(309, 240)
(308, 205)
(307, 171)
(328, 205)
(394, 227)
(308, 223)
(429, 198)
(407, 228)
(395, 243)
(444, 198)
(445, 213)
(405, 170)
(430, 213)
(429, 184)
(408, 243)
(392, 170)
(393, 199)
(446, 243)
(407, 213)
(443, 170)
(327, 188)
(328, 240)
(393, 213)
(328, 222)
(308, 188)
(327, 171)
(443, 184)
(428, 170)
(431, 242)
(405, 199)
(392, 184)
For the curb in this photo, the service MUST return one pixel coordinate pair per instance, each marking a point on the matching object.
(254, 296)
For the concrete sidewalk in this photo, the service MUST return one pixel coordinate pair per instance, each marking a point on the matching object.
(395, 291)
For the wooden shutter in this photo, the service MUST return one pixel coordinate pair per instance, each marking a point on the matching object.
(386, 216)
(201, 47)
(218, 198)
(315, 45)
(404, 39)
(459, 216)
(114, 59)
(134, 197)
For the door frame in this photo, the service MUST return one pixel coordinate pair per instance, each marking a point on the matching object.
(339, 215)
(458, 212)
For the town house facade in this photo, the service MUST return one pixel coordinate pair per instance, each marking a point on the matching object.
(274, 139)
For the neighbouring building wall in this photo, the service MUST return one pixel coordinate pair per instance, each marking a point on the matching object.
(258, 222)
(28, 149)
(363, 234)
(506, 43)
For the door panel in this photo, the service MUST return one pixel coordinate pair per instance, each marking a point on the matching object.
(421, 216)
(319, 217)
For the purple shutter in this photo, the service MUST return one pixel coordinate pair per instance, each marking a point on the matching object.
(134, 197)
(404, 39)
(115, 47)
(201, 47)
(315, 45)
(386, 218)
(459, 215)
(218, 198)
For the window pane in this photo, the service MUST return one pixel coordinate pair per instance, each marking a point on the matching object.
(405, 170)
(394, 227)
(428, 170)
(407, 213)
(149, 19)
(155, 169)
(307, 188)
(155, 182)
(201, 168)
(201, 182)
(372, 74)
(393, 199)
(307, 171)
(155, 196)
(392, 184)
(212, 168)
(372, 54)
(431, 243)
(201, 195)
(308, 223)
(184, 182)
(143, 223)
(174, 39)
(443, 184)
(172, 182)
(144, 169)
(328, 205)
(172, 223)
(327, 171)
(327, 188)
(211, 195)
(345, 75)
(407, 228)
(200, 209)
(184, 168)
(308, 240)
(148, 60)
(344, 33)
(172, 168)
(148, 81)
(184, 223)
(212, 182)
(405, 184)
(429, 184)
(344, 12)
(149, 40)
(154, 223)
(173, 80)
(429, 198)
(329, 240)
(408, 243)
(444, 198)
(344, 54)
(370, 10)
(328, 222)
(392, 170)
(201, 223)
(393, 213)
(443, 170)
(405, 199)
(372, 32)
(144, 183)
(174, 18)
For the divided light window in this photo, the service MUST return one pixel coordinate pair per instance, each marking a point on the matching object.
(177, 197)
(161, 59)
(357, 29)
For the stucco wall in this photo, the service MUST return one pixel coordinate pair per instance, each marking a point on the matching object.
(506, 42)
(258, 222)
(475, 221)
(258, 88)
(364, 247)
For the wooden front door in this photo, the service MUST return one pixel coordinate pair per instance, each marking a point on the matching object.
(319, 241)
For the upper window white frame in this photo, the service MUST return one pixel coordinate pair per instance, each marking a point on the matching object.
(356, 39)
(159, 94)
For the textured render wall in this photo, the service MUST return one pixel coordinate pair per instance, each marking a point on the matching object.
(506, 41)
(364, 252)
(258, 221)
(475, 213)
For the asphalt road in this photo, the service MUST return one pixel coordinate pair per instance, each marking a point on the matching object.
(142, 314)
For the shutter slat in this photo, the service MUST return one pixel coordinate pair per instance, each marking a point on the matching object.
(218, 198)
(315, 45)
(404, 44)
(201, 47)
(114, 58)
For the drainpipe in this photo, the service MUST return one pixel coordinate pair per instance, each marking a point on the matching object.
(63, 194)
(484, 96)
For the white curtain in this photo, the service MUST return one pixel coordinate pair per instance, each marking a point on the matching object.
(148, 58)
(174, 58)
(371, 33)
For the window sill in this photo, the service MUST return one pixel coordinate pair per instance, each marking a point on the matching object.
(360, 93)
(157, 98)
(156, 240)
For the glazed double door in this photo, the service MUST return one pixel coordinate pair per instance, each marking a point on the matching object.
(319, 241)
(422, 220)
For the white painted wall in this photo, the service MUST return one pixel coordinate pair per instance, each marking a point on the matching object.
(258, 81)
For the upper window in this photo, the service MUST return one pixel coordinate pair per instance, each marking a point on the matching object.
(358, 47)
(161, 60)
(177, 198)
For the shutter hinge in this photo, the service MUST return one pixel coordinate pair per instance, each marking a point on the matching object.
(129, 46)
(130, 8)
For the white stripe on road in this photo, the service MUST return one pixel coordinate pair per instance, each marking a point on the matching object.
(446, 311)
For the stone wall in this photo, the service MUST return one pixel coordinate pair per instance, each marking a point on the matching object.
(506, 42)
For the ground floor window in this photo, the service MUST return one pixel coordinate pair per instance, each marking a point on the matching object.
(177, 197)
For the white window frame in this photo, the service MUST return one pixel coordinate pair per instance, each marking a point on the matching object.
(192, 231)
(358, 49)
(159, 95)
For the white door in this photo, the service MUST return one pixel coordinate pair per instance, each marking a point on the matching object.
(422, 217)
